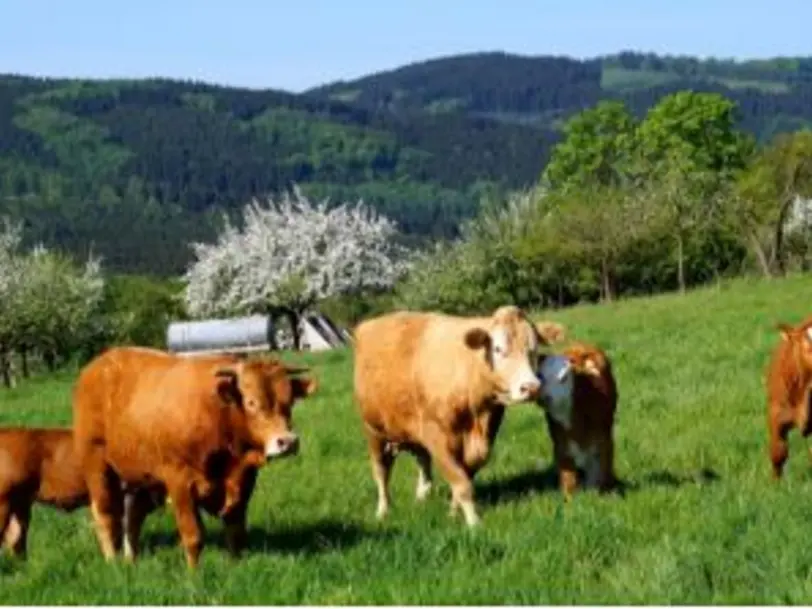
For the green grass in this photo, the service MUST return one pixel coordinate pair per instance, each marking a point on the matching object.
(701, 522)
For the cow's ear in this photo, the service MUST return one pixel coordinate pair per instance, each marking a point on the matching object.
(551, 332)
(477, 338)
(228, 386)
(785, 330)
(303, 387)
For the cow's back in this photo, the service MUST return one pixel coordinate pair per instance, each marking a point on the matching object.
(384, 352)
(147, 408)
(105, 386)
(19, 458)
(410, 362)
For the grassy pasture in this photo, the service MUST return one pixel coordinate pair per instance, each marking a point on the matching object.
(701, 522)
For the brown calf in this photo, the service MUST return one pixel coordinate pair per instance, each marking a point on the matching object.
(39, 465)
(789, 378)
(580, 397)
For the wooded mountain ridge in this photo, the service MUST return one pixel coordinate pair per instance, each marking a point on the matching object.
(136, 169)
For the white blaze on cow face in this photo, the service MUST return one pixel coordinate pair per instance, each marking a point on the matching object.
(512, 355)
(557, 384)
(809, 333)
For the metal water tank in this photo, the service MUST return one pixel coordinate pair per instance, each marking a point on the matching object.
(252, 333)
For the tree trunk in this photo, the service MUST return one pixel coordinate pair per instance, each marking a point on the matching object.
(761, 256)
(778, 238)
(5, 368)
(681, 262)
(606, 282)
(50, 359)
(24, 361)
(293, 318)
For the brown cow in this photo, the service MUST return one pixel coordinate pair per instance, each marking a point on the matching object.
(149, 419)
(580, 399)
(36, 464)
(436, 385)
(789, 378)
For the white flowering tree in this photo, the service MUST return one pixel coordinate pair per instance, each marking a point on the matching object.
(11, 281)
(61, 303)
(290, 254)
(47, 302)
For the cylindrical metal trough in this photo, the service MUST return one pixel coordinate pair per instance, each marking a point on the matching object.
(239, 334)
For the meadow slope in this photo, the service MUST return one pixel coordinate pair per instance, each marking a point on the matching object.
(701, 522)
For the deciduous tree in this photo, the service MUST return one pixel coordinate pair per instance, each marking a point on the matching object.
(291, 253)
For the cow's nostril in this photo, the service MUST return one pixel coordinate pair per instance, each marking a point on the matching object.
(531, 388)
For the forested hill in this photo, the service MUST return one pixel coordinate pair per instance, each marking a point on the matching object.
(134, 170)
(773, 94)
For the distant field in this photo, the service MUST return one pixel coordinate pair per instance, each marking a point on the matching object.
(621, 79)
(701, 523)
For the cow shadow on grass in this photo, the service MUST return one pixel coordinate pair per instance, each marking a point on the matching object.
(320, 537)
(528, 483)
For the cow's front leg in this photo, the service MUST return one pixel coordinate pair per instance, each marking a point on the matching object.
(462, 487)
(187, 518)
(236, 530)
(138, 504)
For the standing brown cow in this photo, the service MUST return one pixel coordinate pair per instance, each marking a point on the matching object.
(580, 400)
(148, 419)
(789, 379)
(436, 386)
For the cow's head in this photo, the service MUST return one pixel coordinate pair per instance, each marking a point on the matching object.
(266, 391)
(511, 343)
(800, 339)
(585, 359)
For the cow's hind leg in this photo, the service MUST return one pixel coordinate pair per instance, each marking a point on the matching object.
(382, 457)
(187, 518)
(16, 533)
(607, 481)
(106, 506)
(5, 521)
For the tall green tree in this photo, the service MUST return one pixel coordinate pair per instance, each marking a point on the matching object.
(594, 149)
(689, 146)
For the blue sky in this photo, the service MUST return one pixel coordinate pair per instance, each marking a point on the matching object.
(301, 43)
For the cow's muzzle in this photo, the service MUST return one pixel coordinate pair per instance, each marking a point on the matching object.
(285, 445)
